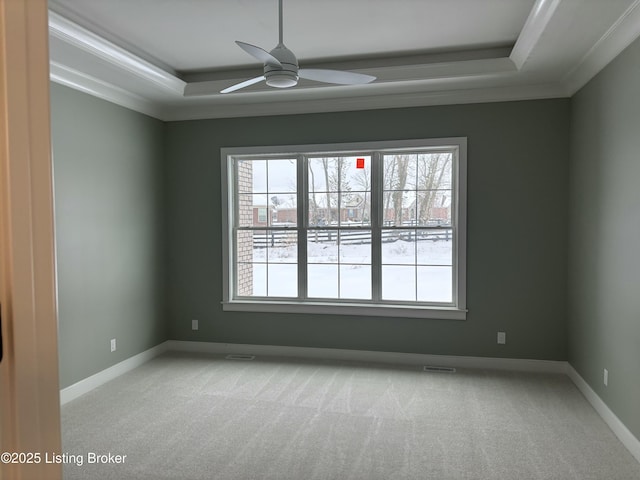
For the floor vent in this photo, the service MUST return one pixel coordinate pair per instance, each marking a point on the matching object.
(240, 357)
(431, 368)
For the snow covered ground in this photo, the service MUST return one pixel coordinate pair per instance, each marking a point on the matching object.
(410, 271)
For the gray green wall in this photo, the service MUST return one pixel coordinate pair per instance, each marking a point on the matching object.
(517, 235)
(107, 178)
(604, 248)
(138, 219)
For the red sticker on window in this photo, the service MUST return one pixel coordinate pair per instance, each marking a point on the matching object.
(360, 163)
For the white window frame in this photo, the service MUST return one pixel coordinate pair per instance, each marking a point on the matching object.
(412, 310)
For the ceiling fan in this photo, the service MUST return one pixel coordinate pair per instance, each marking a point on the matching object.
(281, 67)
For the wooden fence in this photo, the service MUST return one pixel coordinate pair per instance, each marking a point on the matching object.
(281, 238)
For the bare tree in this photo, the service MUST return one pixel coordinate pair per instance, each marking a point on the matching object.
(325, 167)
(389, 172)
(363, 183)
(314, 202)
(433, 169)
(400, 182)
(340, 185)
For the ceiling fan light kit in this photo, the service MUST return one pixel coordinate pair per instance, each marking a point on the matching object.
(282, 79)
(286, 74)
(281, 68)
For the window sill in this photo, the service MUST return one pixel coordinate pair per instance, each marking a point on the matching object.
(440, 313)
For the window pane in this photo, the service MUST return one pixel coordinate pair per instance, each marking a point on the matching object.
(251, 176)
(324, 174)
(282, 176)
(319, 215)
(284, 211)
(257, 171)
(258, 280)
(283, 280)
(358, 211)
(433, 247)
(267, 263)
(399, 208)
(253, 210)
(434, 171)
(356, 173)
(244, 279)
(398, 283)
(259, 242)
(399, 171)
(434, 207)
(434, 284)
(355, 246)
(322, 246)
(244, 246)
(398, 247)
(282, 246)
(322, 281)
(355, 208)
(355, 281)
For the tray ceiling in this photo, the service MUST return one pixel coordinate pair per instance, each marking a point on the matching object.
(170, 58)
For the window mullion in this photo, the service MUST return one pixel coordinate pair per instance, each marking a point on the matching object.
(376, 226)
(302, 196)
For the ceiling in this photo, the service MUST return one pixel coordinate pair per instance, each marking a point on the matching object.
(170, 58)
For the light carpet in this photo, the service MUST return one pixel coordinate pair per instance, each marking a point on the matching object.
(193, 417)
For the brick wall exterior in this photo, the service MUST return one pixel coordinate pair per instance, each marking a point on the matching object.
(244, 240)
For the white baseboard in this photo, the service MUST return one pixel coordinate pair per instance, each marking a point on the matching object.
(84, 386)
(514, 364)
(621, 431)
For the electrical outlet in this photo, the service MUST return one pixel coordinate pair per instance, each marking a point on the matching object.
(194, 324)
(605, 377)
(502, 338)
(113, 344)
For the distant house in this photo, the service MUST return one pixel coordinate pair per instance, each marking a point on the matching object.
(261, 216)
(268, 216)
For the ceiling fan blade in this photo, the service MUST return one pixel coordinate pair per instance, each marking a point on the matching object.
(259, 53)
(244, 84)
(335, 76)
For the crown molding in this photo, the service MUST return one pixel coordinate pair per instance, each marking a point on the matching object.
(534, 27)
(73, 34)
(621, 34)
(208, 109)
(85, 83)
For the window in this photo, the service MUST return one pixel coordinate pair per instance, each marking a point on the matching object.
(369, 228)
(262, 215)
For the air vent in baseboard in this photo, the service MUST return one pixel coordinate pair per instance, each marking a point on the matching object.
(432, 368)
(240, 357)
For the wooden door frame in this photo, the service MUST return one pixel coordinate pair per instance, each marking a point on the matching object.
(29, 389)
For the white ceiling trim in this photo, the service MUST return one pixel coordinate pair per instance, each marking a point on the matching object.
(533, 29)
(609, 46)
(85, 83)
(401, 100)
(75, 35)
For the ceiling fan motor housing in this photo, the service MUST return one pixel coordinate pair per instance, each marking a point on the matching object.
(284, 77)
